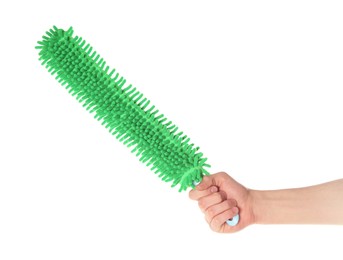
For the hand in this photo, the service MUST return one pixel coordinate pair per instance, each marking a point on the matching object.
(220, 198)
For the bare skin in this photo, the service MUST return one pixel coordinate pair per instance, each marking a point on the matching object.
(220, 198)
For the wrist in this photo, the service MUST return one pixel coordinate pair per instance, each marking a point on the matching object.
(257, 206)
(281, 206)
(272, 206)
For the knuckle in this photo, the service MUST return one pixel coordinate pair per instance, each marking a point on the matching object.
(221, 174)
(191, 195)
(212, 228)
(208, 220)
(206, 179)
(215, 222)
(215, 225)
(218, 196)
(211, 212)
(201, 204)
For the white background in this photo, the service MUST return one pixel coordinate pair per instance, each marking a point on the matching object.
(256, 84)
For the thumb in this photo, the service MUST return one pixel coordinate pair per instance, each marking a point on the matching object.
(216, 179)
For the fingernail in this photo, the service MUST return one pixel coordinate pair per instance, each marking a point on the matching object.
(214, 189)
(235, 210)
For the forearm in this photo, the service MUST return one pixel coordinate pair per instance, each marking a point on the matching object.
(320, 204)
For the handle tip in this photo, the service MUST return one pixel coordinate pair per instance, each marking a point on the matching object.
(196, 183)
(233, 221)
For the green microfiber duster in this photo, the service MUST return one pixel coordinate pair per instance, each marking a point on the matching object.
(123, 110)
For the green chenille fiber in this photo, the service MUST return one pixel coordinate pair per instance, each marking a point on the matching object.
(121, 108)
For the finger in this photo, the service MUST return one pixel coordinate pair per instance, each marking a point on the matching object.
(218, 223)
(217, 209)
(196, 195)
(210, 200)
